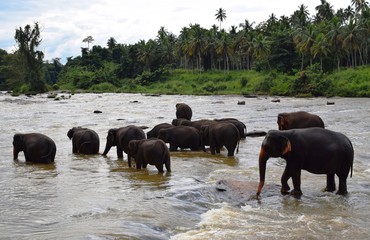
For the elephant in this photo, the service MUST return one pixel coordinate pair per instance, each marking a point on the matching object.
(154, 132)
(299, 119)
(120, 137)
(84, 140)
(197, 123)
(317, 150)
(150, 151)
(238, 124)
(181, 137)
(218, 135)
(183, 111)
(37, 147)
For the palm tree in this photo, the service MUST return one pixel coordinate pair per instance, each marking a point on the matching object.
(246, 26)
(111, 43)
(220, 15)
(320, 48)
(146, 52)
(324, 11)
(335, 38)
(365, 26)
(360, 5)
(223, 48)
(88, 39)
(196, 43)
(300, 16)
(351, 41)
(180, 49)
(261, 48)
(306, 37)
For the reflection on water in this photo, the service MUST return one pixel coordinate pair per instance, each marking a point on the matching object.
(97, 197)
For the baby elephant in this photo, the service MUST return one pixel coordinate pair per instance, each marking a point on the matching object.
(84, 140)
(36, 147)
(150, 151)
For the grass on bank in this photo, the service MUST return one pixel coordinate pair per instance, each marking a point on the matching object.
(346, 83)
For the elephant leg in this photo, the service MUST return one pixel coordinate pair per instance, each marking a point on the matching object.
(129, 160)
(284, 182)
(342, 188)
(230, 150)
(159, 167)
(119, 152)
(173, 147)
(74, 148)
(212, 149)
(296, 177)
(168, 165)
(138, 163)
(330, 183)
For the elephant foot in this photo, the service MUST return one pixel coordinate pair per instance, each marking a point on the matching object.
(285, 190)
(329, 189)
(343, 192)
(296, 193)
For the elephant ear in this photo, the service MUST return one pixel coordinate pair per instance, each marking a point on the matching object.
(17, 142)
(287, 147)
(282, 121)
(133, 146)
(70, 133)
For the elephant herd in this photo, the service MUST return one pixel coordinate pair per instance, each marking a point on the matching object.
(301, 140)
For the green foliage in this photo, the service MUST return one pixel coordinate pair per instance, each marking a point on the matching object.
(28, 39)
(103, 87)
(148, 77)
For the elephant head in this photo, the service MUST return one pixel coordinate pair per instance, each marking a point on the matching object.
(17, 145)
(71, 132)
(274, 145)
(111, 140)
(163, 135)
(282, 121)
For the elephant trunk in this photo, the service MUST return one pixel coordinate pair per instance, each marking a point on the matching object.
(15, 154)
(263, 157)
(107, 148)
(202, 144)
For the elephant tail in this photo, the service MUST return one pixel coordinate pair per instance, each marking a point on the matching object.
(352, 155)
(237, 148)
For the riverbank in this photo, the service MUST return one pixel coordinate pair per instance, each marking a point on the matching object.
(346, 83)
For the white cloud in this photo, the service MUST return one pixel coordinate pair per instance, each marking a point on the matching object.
(65, 23)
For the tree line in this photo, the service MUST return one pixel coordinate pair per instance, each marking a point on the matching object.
(329, 39)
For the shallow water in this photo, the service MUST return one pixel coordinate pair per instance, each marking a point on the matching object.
(96, 197)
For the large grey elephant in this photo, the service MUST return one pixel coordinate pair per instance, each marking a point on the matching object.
(150, 151)
(120, 137)
(317, 150)
(196, 124)
(84, 140)
(154, 132)
(238, 124)
(299, 119)
(36, 147)
(218, 135)
(181, 137)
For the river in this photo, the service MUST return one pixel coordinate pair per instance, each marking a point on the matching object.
(97, 197)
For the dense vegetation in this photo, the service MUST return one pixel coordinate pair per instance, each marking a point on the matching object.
(320, 55)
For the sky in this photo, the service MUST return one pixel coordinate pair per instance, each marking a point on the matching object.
(65, 23)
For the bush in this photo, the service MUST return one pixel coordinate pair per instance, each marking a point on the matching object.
(103, 87)
(243, 81)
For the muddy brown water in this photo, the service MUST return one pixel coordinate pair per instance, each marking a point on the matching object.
(96, 197)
